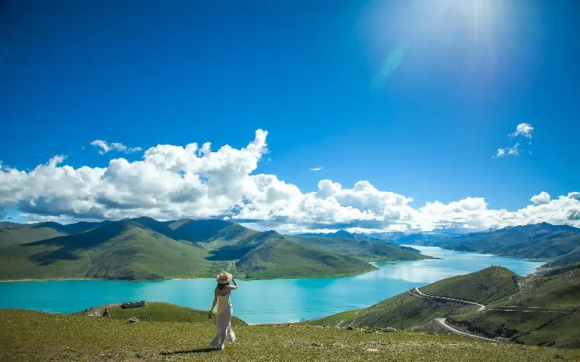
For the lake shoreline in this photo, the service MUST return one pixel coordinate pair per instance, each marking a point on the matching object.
(264, 301)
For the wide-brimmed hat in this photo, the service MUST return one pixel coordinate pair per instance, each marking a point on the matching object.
(224, 277)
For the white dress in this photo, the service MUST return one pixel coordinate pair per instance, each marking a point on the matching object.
(223, 325)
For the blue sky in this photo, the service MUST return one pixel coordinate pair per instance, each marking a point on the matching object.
(415, 97)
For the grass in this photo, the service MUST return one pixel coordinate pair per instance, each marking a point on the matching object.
(145, 249)
(415, 312)
(165, 312)
(33, 336)
(278, 257)
(488, 284)
(365, 250)
(133, 253)
(557, 290)
(558, 329)
(21, 235)
(484, 286)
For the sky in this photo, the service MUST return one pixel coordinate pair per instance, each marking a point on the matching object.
(292, 115)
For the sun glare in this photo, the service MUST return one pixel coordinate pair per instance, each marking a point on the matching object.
(466, 27)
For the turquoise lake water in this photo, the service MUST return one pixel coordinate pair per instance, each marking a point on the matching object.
(261, 301)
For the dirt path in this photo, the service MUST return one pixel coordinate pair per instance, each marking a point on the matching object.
(443, 322)
(481, 306)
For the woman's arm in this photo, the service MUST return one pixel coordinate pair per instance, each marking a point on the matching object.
(213, 304)
(235, 286)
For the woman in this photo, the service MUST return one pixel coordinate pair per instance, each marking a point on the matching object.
(224, 312)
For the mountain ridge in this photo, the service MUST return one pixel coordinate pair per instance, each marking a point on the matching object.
(146, 249)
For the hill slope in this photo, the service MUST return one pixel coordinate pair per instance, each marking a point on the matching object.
(489, 284)
(146, 249)
(370, 250)
(16, 235)
(539, 309)
(277, 255)
(37, 336)
(546, 311)
(117, 250)
(164, 312)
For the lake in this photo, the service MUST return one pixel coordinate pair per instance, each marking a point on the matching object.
(261, 301)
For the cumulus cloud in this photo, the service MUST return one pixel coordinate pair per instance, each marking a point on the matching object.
(509, 151)
(171, 182)
(315, 168)
(523, 129)
(541, 199)
(115, 146)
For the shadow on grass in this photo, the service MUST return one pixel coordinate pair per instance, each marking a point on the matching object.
(200, 350)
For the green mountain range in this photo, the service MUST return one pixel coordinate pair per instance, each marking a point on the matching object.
(147, 249)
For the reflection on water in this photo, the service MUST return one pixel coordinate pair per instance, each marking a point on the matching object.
(262, 301)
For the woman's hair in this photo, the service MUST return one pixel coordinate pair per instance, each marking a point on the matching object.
(221, 286)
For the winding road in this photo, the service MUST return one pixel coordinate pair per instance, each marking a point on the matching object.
(481, 306)
(443, 321)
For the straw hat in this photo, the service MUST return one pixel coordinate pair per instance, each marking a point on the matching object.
(224, 277)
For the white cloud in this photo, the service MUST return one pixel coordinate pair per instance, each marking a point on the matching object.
(523, 129)
(509, 151)
(171, 182)
(106, 147)
(541, 199)
(315, 168)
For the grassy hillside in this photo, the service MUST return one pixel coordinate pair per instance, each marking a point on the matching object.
(488, 284)
(165, 312)
(484, 286)
(69, 229)
(546, 310)
(33, 336)
(571, 258)
(539, 309)
(206, 230)
(369, 250)
(118, 250)
(146, 249)
(279, 256)
(16, 235)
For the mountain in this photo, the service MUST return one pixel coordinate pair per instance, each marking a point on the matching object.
(341, 234)
(122, 250)
(68, 229)
(15, 234)
(540, 309)
(369, 250)
(418, 238)
(393, 237)
(539, 241)
(207, 230)
(571, 258)
(545, 312)
(482, 287)
(278, 255)
(144, 248)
